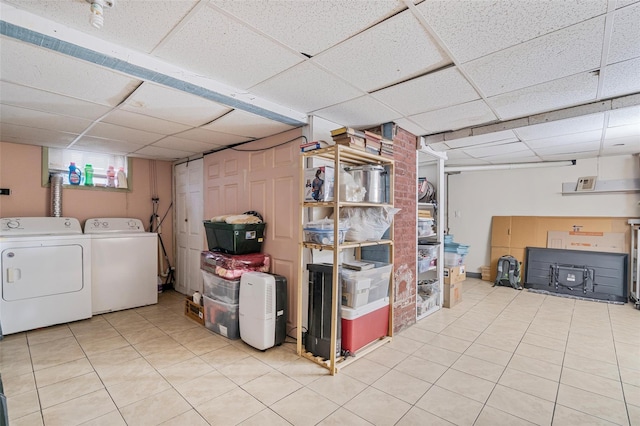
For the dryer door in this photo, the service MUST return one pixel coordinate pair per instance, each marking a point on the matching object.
(29, 272)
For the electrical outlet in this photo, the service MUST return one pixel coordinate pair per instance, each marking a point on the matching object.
(5, 191)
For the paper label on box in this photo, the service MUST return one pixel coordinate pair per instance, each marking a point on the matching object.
(250, 235)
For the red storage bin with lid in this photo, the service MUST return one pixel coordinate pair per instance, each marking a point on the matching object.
(363, 325)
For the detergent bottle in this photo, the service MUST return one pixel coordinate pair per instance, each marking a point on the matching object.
(75, 175)
(88, 175)
(122, 178)
(111, 177)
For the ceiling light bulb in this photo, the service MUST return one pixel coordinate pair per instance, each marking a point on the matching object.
(96, 18)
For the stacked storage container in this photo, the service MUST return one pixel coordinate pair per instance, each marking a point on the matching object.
(365, 305)
(454, 253)
(234, 249)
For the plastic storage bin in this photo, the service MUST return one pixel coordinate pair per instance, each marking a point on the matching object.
(379, 276)
(355, 292)
(323, 236)
(364, 325)
(222, 318)
(219, 289)
(453, 259)
(234, 238)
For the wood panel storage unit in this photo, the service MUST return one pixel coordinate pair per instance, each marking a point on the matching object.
(434, 274)
(340, 156)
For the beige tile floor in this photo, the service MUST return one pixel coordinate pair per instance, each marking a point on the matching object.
(501, 357)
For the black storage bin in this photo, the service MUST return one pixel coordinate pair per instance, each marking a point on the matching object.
(234, 238)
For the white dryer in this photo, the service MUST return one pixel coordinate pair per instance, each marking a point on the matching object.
(46, 272)
(124, 264)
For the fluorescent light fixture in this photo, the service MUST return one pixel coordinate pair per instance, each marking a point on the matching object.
(459, 169)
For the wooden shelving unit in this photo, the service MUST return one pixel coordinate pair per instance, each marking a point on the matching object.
(340, 156)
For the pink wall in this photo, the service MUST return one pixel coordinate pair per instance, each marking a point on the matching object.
(20, 167)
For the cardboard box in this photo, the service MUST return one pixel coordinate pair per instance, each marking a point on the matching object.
(612, 242)
(194, 311)
(319, 183)
(454, 274)
(452, 294)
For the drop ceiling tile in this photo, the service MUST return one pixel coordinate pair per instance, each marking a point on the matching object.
(310, 27)
(466, 162)
(42, 120)
(90, 143)
(472, 28)
(25, 64)
(122, 23)
(572, 156)
(392, 51)
(429, 92)
(173, 142)
(125, 134)
(173, 105)
(623, 116)
(560, 54)
(593, 145)
(220, 48)
(212, 138)
(568, 91)
(32, 136)
(410, 126)
(518, 158)
(503, 149)
(567, 139)
(35, 99)
(487, 138)
(246, 124)
(626, 33)
(457, 154)
(359, 113)
(144, 122)
(306, 88)
(621, 79)
(455, 117)
(163, 153)
(621, 146)
(624, 3)
(440, 146)
(629, 130)
(567, 126)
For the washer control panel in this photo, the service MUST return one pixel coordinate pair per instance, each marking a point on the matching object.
(113, 225)
(39, 226)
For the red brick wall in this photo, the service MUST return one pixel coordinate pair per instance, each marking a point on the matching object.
(404, 228)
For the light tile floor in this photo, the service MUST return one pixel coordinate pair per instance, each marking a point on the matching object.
(501, 357)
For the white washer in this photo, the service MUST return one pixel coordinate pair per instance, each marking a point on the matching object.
(46, 272)
(124, 264)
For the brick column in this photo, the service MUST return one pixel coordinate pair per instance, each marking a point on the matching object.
(404, 228)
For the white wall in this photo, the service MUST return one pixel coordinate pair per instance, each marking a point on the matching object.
(477, 196)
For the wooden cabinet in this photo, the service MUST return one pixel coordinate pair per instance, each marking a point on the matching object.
(337, 157)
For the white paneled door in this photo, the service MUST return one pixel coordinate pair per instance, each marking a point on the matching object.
(190, 235)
